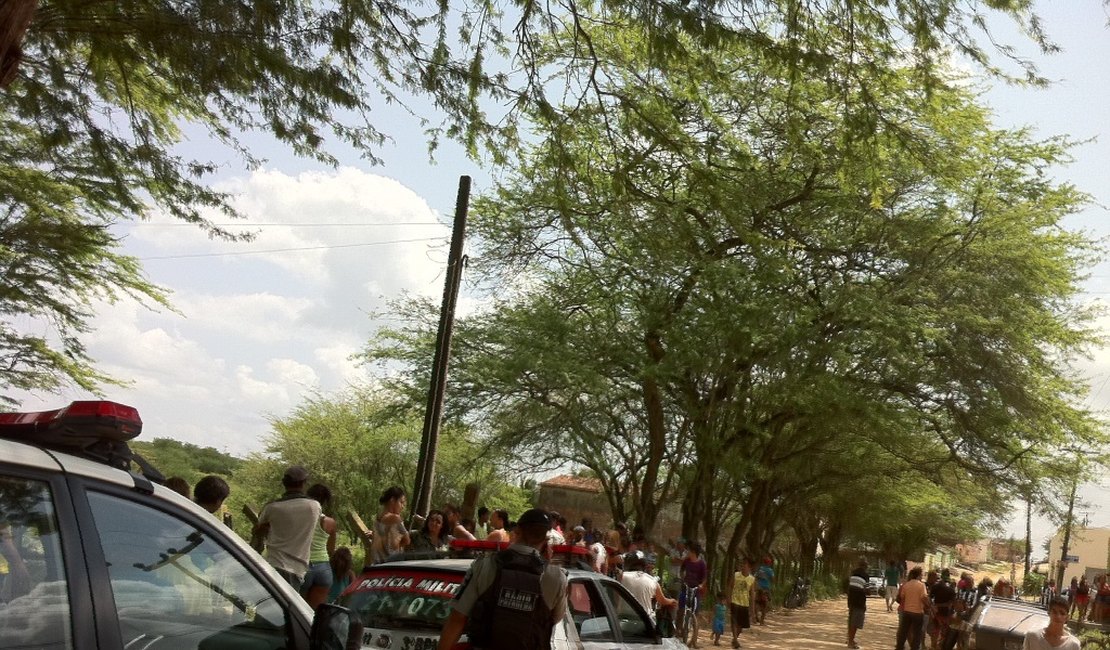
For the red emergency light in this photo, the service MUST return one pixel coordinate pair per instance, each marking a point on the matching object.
(75, 424)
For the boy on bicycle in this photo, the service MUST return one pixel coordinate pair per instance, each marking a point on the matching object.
(694, 573)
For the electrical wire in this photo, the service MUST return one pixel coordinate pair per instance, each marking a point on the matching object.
(289, 250)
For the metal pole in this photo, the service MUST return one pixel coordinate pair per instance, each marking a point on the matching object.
(433, 414)
(1067, 538)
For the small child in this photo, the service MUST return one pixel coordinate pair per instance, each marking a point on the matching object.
(719, 614)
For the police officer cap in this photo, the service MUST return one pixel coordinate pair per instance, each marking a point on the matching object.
(534, 517)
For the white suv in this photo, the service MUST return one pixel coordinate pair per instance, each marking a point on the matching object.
(93, 556)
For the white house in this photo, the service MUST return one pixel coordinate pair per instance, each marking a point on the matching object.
(1088, 553)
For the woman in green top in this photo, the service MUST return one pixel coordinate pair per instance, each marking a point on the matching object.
(317, 582)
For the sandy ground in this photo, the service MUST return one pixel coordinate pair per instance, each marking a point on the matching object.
(819, 625)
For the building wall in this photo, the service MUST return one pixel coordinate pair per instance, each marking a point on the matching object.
(975, 552)
(1090, 545)
(576, 504)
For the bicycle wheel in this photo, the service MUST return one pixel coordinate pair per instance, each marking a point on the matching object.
(691, 636)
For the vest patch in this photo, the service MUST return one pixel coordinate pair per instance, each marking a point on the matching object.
(521, 601)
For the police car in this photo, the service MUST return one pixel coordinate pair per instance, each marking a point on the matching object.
(403, 604)
(95, 556)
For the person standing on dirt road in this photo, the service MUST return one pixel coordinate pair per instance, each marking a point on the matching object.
(890, 578)
(743, 593)
(915, 604)
(763, 577)
(857, 601)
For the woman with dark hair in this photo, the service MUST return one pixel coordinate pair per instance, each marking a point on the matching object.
(454, 523)
(390, 534)
(431, 537)
(498, 521)
(318, 579)
(342, 571)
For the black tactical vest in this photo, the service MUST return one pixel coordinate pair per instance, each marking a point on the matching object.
(512, 614)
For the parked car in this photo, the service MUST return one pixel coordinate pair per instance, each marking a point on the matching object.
(99, 557)
(1001, 623)
(403, 604)
(876, 583)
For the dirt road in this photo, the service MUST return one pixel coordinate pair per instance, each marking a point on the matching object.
(819, 625)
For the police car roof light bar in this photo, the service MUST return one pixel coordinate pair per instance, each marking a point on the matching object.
(81, 419)
(94, 429)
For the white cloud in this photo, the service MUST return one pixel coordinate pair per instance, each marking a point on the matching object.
(258, 317)
(293, 374)
(325, 228)
(337, 358)
(254, 334)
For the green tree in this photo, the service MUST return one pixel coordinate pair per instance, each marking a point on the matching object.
(358, 446)
(90, 121)
(791, 294)
(190, 462)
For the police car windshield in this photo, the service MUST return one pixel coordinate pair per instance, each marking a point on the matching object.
(403, 599)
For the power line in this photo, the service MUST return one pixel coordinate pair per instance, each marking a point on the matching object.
(289, 250)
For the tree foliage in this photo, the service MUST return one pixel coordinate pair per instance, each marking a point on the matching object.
(105, 92)
(709, 254)
(190, 462)
(358, 446)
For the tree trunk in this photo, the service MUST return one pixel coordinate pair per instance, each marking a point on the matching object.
(830, 542)
(648, 505)
(470, 500)
(15, 18)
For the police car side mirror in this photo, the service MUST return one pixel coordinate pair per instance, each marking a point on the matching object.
(331, 628)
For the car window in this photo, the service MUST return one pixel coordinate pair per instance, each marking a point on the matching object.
(176, 588)
(588, 611)
(34, 603)
(635, 625)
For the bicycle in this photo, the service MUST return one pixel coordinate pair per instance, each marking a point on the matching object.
(688, 616)
(798, 595)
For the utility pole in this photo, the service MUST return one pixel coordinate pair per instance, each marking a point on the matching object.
(1028, 532)
(433, 414)
(1067, 537)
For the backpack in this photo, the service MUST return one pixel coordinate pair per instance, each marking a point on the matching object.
(512, 614)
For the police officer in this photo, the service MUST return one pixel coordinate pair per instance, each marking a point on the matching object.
(512, 599)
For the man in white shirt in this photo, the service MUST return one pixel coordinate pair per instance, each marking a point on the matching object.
(642, 585)
(287, 525)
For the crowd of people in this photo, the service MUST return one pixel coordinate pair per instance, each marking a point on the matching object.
(934, 607)
(669, 580)
(299, 538)
(300, 543)
(1087, 601)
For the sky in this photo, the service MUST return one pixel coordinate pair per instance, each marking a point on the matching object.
(260, 326)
